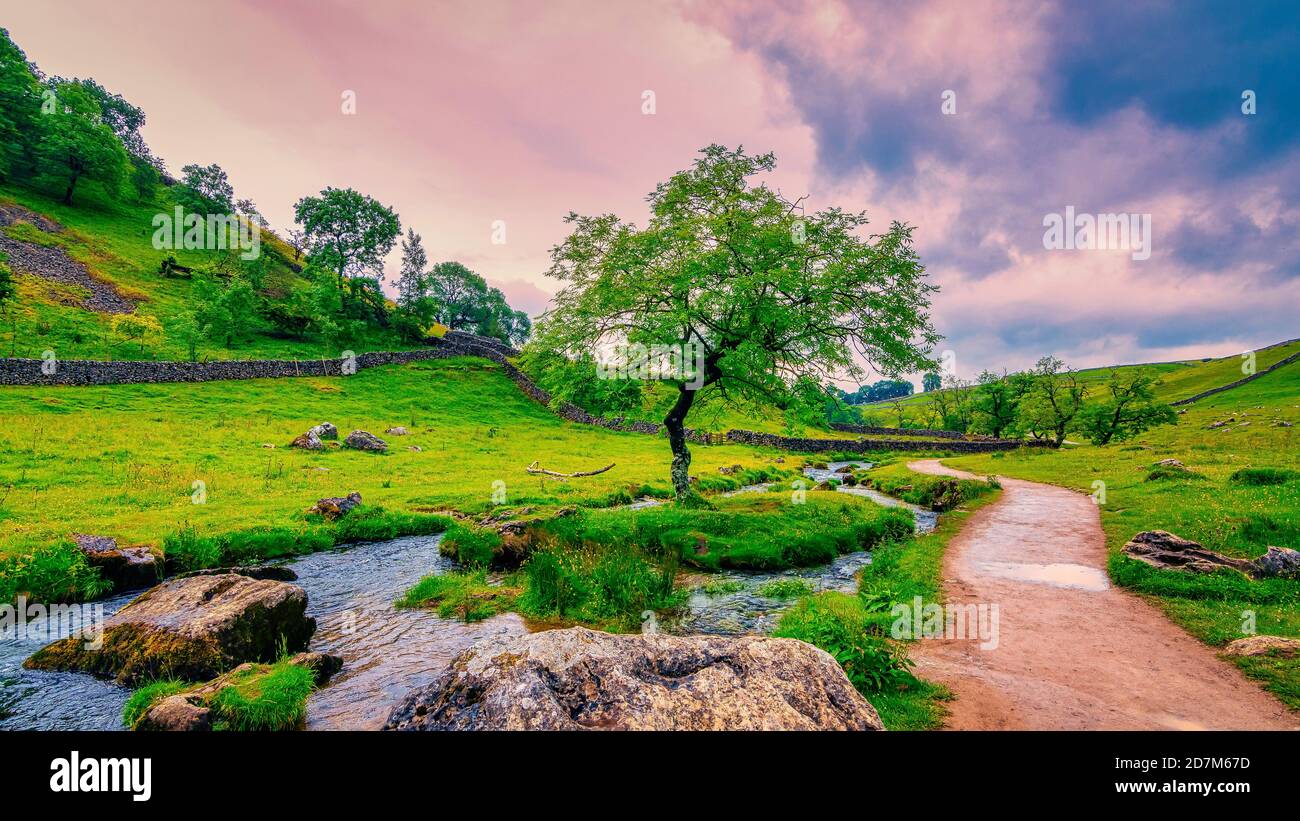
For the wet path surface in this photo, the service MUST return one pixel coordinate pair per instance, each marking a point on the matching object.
(1073, 652)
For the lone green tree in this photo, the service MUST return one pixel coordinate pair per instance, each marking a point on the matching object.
(1054, 399)
(1127, 406)
(347, 232)
(773, 298)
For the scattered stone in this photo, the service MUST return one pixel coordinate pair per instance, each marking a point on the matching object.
(268, 445)
(362, 440)
(191, 628)
(1222, 422)
(335, 506)
(580, 679)
(1281, 562)
(1283, 424)
(1169, 463)
(52, 263)
(846, 469)
(126, 567)
(1263, 646)
(397, 431)
(307, 441)
(1164, 550)
(325, 431)
(780, 460)
(728, 470)
(415, 448)
(189, 711)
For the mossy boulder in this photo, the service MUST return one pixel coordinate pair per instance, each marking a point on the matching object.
(192, 628)
(193, 709)
(580, 679)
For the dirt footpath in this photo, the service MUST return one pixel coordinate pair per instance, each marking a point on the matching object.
(1073, 651)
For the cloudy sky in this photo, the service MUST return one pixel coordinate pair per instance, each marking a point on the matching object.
(468, 113)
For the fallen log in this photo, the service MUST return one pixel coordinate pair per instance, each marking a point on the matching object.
(534, 468)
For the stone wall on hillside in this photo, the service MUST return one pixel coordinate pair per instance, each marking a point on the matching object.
(879, 431)
(749, 437)
(455, 343)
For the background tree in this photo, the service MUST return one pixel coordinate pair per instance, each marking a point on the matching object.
(141, 328)
(410, 278)
(20, 108)
(994, 406)
(931, 382)
(225, 313)
(772, 297)
(75, 145)
(347, 232)
(205, 189)
(1128, 407)
(1054, 399)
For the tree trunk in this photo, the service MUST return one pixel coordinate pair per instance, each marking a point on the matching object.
(675, 422)
(67, 195)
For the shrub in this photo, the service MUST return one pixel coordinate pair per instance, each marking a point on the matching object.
(466, 596)
(837, 623)
(1264, 476)
(264, 697)
(785, 588)
(53, 573)
(472, 547)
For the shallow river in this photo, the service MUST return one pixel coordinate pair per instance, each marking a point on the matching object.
(388, 652)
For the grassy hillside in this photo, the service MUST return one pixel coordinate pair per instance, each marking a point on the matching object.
(1215, 504)
(114, 241)
(1178, 380)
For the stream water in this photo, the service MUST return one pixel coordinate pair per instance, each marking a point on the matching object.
(387, 652)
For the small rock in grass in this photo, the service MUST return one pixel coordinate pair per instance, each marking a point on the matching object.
(364, 440)
(335, 506)
(1263, 646)
(307, 441)
(1169, 463)
(397, 431)
(415, 448)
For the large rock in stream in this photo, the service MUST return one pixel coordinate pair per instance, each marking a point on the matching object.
(192, 628)
(580, 679)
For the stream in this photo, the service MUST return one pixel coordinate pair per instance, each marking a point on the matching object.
(387, 652)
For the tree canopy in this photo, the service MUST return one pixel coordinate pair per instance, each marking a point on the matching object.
(774, 298)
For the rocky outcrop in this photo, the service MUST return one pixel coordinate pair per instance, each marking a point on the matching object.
(52, 263)
(307, 441)
(364, 440)
(127, 568)
(1164, 550)
(580, 679)
(1263, 646)
(336, 506)
(191, 628)
(1282, 562)
(190, 712)
(325, 430)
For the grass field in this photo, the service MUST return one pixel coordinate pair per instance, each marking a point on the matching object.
(123, 460)
(1225, 512)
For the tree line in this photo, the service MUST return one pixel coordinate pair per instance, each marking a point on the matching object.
(59, 135)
